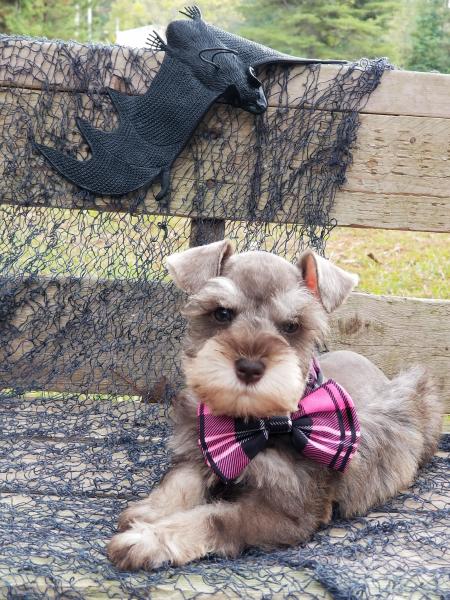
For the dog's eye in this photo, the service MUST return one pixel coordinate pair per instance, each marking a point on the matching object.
(290, 327)
(223, 315)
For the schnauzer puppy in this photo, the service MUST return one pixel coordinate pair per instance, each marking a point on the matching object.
(268, 439)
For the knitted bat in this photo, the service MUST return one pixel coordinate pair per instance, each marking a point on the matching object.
(201, 64)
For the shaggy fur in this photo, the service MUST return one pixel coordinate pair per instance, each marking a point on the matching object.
(278, 312)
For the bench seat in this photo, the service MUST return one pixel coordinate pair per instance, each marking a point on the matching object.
(64, 481)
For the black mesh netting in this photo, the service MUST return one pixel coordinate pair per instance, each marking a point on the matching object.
(87, 314)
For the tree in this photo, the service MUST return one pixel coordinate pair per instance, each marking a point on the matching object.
(323, 28)
(431, 38)
(5, 8)
(40, 17)
(57, 19)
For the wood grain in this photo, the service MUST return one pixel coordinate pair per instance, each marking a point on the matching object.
(107, 352)
(398, 179)
(396, 333)
(408, 93)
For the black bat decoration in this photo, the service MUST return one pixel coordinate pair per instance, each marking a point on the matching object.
(201, 64)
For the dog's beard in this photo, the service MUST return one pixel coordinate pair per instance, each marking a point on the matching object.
(211, 375)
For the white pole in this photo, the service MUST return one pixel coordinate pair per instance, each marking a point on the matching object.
(77, 20)
(89, 20)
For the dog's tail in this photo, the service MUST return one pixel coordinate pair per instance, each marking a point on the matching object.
(413, 398)
(430, 407)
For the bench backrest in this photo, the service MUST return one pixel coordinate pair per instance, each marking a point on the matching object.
(398, 180)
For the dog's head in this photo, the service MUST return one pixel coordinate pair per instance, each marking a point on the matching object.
(254, 319)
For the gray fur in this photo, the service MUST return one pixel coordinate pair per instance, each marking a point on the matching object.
(282, 497)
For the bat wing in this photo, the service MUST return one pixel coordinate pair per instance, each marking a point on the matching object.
(257, 54)
(106, 172)
(153, 128)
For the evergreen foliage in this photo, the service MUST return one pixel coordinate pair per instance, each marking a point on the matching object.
(67, 19)
(136, 13)
(323, 28)
(413, 34)
(431, 38)
(55, 19)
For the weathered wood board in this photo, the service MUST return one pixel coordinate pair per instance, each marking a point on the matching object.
(66, 335)
(396, 333)
(55, 533)
(398, 179)
(393, 332)
(89, 468)
(66, 529)
(82, 418)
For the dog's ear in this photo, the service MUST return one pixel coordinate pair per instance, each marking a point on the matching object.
(192, 268)
(329, 283)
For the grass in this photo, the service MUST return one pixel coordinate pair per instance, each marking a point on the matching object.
(446, 424)
(398, 263)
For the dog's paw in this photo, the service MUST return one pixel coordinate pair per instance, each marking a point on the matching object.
(139, 547)
(139, 511)
(177, 539)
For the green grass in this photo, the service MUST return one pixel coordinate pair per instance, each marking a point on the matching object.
(61, 242)
(399, 263)
(446, 425)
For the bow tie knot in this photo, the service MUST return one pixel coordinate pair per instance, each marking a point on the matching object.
(324, 428)
(278, 424)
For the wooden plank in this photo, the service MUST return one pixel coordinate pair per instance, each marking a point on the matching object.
(80, 468)
(89, 335)
(401, 155)
(205, 231)
(81, 417)
(72, 66)
(66, 537)
(63, 550)
(396, 333)
(402, 211)
(398, 179)
(408, 93)
(112, 355)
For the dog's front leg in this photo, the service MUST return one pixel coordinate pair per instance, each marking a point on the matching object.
(181, 488)
(223, 528)
(176, 539)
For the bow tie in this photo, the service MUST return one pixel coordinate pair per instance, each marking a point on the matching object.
(325, 428)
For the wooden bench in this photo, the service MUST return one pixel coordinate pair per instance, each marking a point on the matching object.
(398, 180)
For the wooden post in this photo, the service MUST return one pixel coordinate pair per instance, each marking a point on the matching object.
(205, 231)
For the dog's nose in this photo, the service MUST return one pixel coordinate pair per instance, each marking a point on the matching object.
(249, 371)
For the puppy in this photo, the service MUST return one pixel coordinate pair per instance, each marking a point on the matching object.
(254, 323)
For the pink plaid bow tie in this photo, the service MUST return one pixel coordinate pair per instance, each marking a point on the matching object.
(325, 428)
